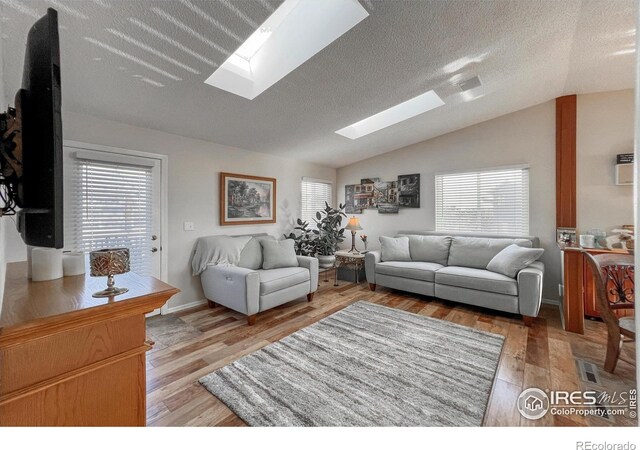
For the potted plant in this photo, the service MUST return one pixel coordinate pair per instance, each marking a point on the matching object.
(304, 239)
(329, 233)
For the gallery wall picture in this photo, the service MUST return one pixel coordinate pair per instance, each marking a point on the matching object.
(246, 199)
(409, 191)
(385, 196)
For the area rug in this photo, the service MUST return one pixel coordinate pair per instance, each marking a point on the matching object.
(366, 365)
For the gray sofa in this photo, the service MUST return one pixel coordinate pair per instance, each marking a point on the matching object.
(249, 289)
(453, 267)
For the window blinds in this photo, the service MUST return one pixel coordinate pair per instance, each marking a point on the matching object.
(314, 194)
(492, 201)
(111, 205)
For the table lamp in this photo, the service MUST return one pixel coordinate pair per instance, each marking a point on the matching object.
(353, 225)
(107, 263)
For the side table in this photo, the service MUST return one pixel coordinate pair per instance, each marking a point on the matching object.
(348, 259)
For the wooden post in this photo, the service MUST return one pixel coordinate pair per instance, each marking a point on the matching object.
(566, 108)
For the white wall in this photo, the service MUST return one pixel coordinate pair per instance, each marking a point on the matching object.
(604, 129)
(194, 167)
(524, 137)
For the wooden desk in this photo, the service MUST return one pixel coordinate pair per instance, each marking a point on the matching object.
(579, 293)
(68, 359)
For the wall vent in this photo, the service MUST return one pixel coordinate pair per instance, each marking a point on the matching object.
(588, 372)
(471, 83)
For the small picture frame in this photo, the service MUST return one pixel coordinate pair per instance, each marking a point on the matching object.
(247, 199)
(566, 236)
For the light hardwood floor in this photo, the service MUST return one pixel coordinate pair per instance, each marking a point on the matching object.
(196, 342)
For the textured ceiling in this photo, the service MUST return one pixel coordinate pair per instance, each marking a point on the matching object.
(145, 62)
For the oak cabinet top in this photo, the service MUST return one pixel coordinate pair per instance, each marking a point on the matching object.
(32, 308)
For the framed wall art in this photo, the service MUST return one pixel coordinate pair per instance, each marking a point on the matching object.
(385, 196)
(246, 199)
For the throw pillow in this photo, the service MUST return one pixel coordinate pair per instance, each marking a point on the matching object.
(251, 255)
(433, 249)
(277, 254)
(394, 249)
(513, 259)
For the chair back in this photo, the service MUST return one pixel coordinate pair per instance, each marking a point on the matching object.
(613, 275)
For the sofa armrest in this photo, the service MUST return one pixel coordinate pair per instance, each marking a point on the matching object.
(312, 264)
(530, 289)
(235, 287)
(370, 260)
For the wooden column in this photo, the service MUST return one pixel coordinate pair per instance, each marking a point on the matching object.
(566, 161)
(572, 302)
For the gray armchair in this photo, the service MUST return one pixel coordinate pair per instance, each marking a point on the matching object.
(249, 289)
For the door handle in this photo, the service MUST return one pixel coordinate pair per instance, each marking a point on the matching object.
(154, 249)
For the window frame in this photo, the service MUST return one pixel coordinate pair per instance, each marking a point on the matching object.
(438, 213)
(70, 146)
(330, 183)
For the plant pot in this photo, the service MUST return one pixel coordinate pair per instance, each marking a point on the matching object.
(326, 261)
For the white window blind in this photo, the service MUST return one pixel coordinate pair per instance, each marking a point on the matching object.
(492, 201)
(314, 194)
(111, 206)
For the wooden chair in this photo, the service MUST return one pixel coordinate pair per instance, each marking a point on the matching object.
(614, 285)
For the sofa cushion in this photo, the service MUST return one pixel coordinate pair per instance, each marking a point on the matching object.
(278, 254)
(273, 280)
(251, 255)
(433, 249)
(416, 270)
(394, 249)
(513, 259)
(477, 252)
(477, 279)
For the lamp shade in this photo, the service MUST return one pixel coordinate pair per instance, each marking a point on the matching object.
(354, 224)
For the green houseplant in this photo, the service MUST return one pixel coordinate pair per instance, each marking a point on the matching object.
(304, 239)
(329, 233)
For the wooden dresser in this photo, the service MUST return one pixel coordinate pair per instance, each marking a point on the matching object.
(68, 359)
(579, 300)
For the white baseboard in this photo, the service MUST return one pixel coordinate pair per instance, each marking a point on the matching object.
(178, 308)
(549, 301)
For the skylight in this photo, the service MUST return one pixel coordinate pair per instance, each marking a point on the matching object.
(295, 32)
(406, 110)
(253, 44)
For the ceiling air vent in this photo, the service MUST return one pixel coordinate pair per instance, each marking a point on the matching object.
(469, 84)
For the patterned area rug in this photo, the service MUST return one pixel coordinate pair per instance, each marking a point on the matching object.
(366, 365)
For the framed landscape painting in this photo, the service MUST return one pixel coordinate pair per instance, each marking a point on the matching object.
(245, 199)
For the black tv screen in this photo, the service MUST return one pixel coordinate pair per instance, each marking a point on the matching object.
(39, 192)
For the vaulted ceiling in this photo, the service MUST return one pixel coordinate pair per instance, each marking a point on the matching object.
(144, 62)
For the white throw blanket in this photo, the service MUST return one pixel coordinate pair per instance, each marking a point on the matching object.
(217, 250)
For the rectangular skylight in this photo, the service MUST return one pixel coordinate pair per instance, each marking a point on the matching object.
(295, 32)
(406, 110)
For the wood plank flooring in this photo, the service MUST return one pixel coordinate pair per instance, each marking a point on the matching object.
(542, 355)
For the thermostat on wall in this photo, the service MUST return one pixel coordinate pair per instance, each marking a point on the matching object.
(624, 174)
(624, 158)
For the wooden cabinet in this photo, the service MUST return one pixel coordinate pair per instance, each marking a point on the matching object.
(579, 300)
(68, 359)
